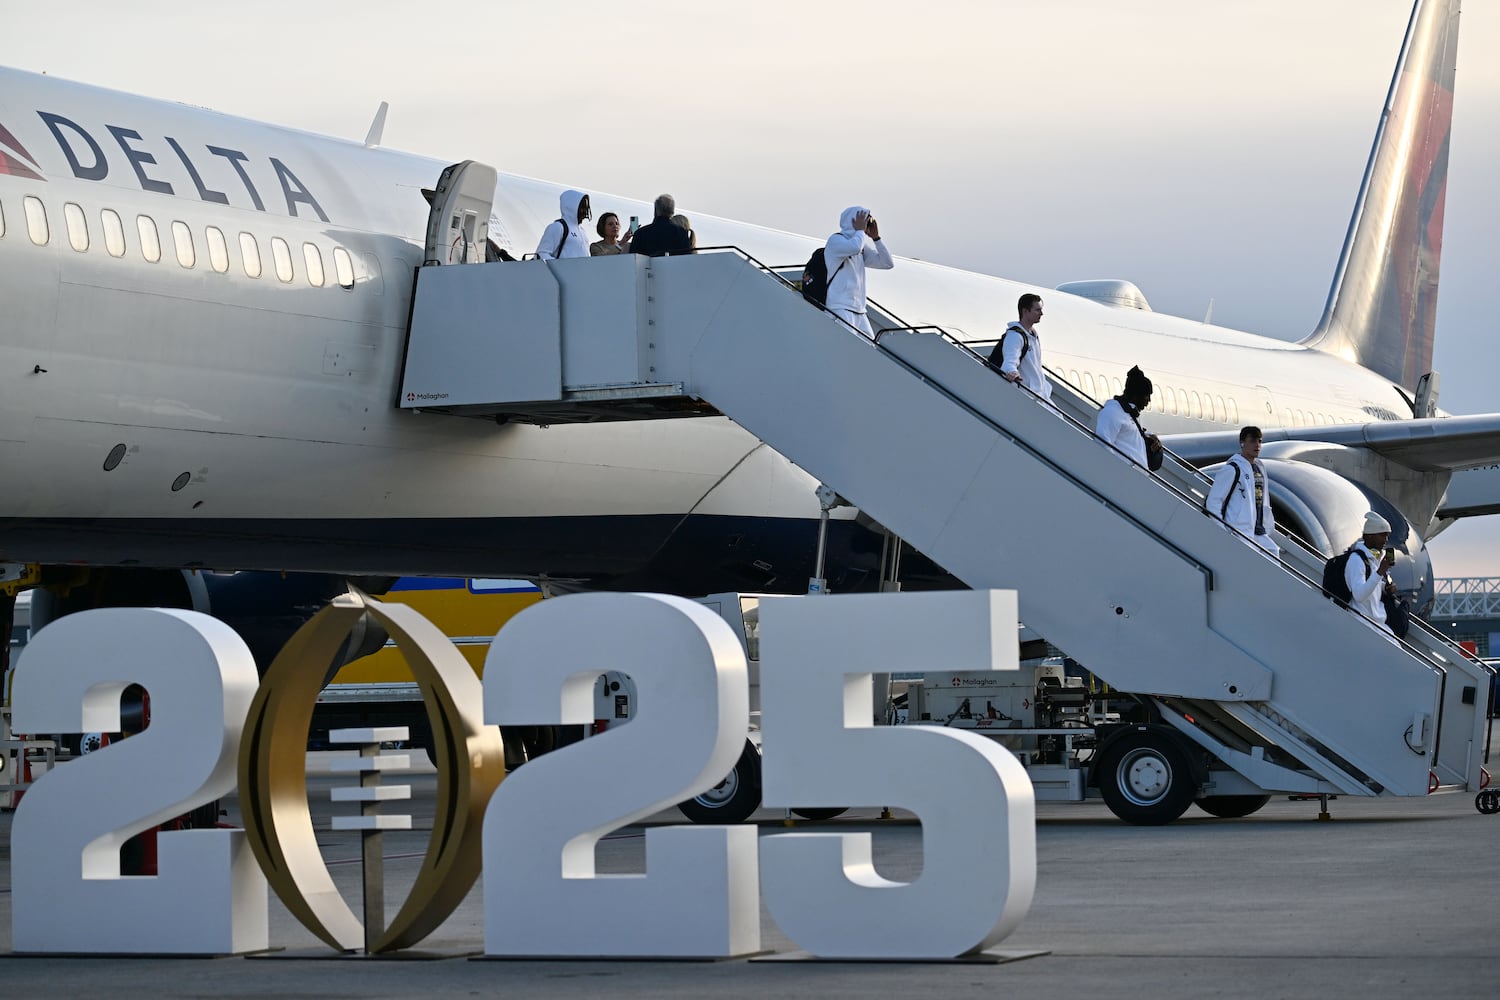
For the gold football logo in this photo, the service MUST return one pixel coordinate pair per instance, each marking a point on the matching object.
(273, 775)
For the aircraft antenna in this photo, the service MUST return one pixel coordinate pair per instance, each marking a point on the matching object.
(377, 127)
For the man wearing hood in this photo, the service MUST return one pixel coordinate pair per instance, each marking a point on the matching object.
(848, 252)
(662, 236)
(1119, 423)
(565, 237)
(1018, 355)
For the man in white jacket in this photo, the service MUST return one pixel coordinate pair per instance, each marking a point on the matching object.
(1367, 571)
(1241, 494)
(1018, 355)
(566, 237)
(847, 253)
(1119, 422)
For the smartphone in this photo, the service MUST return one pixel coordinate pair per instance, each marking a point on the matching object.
(1390, 555)
(635, 223)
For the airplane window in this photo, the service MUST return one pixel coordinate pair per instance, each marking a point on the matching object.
(1234, 411)
(36, 220)
(78, 227)
(218, 250)
(250, 252)
(1220, 413)
(1119, 388)
(1169, 400)
(1088, 384)
(314, 261)
(282, 255)
(182, 238)
(114, 232)
(2, 220)
(343, 265)
(150, 240)
(1197, 403)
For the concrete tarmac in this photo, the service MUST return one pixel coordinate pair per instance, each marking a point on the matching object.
(1391, 898)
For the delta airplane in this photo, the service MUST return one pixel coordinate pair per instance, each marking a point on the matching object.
(205, 319)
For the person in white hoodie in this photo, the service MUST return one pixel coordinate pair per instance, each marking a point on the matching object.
(848, 252)
(566, 237)
(1241, 494)
(1018, 355)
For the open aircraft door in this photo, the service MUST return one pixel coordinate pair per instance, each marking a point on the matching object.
(458, 224)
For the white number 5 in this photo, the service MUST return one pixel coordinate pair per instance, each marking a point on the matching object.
(820, 748)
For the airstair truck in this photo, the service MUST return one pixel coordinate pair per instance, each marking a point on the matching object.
(1176, 610)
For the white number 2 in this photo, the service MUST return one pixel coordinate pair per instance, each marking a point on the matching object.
(820, 748)
(68, 894)
(542, 895)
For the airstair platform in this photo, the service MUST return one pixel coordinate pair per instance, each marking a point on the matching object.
(1118, 566)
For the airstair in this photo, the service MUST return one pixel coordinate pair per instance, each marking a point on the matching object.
(1119, 567)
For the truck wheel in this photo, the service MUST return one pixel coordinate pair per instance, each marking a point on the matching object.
(1145, 779)
(733, 799)
(1232, 806)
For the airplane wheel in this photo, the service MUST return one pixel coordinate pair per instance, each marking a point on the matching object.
(1232, 806)
(819, 814)
(1488, 801)
(1145, 779)
(733, 799)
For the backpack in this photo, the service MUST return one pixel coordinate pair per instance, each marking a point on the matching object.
(1224, 513)
(562, 242)
(1335, 586)
(997, 353)
(815, 277)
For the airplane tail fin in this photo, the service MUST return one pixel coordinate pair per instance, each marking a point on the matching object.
(1382, 307)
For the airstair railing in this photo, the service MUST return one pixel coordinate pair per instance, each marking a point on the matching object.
(1428, 652)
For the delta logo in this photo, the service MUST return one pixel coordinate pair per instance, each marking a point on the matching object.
(15, 160)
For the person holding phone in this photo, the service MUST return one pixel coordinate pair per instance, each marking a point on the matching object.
(608, 228)
(1367, 571)
(847, 253)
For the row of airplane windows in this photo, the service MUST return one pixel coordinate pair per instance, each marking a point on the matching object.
(1177, 402)
(1191, 403)
(112, 227)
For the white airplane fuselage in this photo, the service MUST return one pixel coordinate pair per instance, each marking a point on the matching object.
(264, 406)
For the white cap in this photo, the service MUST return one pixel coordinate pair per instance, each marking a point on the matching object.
(1375, 524)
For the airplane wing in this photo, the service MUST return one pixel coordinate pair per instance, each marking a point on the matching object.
(1431, 444)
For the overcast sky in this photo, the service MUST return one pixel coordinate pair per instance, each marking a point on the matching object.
(1205, 151)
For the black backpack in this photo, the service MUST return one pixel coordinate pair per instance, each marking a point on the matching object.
(1335, 587)
(997, 353)
(815, 277)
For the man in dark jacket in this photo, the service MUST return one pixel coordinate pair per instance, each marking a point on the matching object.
(662, 236)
